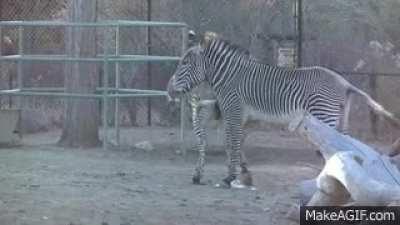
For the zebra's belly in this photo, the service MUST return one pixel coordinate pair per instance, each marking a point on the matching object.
(252, 114)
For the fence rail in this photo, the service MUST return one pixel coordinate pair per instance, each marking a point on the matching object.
(105, 23)
(104, 92)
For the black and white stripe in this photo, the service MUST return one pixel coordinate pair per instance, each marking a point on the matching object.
(240, 82)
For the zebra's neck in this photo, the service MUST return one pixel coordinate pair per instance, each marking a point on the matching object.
(229, 65)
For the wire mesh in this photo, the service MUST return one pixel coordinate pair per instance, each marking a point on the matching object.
(334, 35)
(50, 40)
(39, 48)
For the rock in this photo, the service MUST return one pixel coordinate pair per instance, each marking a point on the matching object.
(266, 209)
(145, 145)
(178, 152)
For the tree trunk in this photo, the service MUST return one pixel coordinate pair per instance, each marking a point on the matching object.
(82, 116)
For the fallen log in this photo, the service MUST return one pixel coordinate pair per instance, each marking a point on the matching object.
(354, 173)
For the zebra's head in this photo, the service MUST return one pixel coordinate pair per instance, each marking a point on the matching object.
(189, 73)
(191, 70)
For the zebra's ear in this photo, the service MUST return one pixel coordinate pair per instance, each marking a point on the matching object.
(208, 37)
(192, 38)
(191, 35)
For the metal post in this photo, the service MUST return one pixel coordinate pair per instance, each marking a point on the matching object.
(1, 41)
(299, 31)
(20, 73)
(105, 90)
(117, 86)
(19, 65)
(149, 78)
(183, 99)
(1, 53)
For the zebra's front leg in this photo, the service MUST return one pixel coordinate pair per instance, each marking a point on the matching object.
(198, 116)
(199, 170)
(246, 177)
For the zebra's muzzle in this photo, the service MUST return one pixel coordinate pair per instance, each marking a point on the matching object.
(172, 99)
(174, 93)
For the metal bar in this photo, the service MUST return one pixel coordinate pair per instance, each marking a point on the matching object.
(136, 95)
(18, 92)
(42, 89)
(128, 90)
(20, 78)
(47, 94)
(1, 53)
(64, 58)
(105, 91)
(10, 91)
(117, 83)
(149, 74)
(1, 41)
(10, 86)
(150, 23)
(299, 12)
(105, 23)
(183, 102)
(118, 90)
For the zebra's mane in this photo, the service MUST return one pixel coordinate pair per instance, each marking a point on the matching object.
(234, 47)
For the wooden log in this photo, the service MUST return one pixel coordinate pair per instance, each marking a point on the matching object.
(354, 172)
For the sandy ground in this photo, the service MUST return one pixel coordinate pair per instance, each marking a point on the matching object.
(43, 184)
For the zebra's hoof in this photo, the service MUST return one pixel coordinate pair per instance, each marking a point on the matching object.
(237, 184)
(223, 185)
(246, 178)
(228, 180)
(196, 180)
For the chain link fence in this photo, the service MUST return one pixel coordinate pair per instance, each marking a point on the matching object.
(41, 113)
(338, 38)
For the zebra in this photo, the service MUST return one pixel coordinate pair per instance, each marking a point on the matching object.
(241, 83)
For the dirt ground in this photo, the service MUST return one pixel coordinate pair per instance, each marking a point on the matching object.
(43, 184)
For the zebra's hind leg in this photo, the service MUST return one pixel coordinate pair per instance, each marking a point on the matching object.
(343, 126)
(232, 113)
(246, 177)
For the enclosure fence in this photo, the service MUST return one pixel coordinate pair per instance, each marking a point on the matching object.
(105, 92)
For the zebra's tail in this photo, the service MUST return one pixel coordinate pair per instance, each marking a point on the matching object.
(379, 110)
(376, 107)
